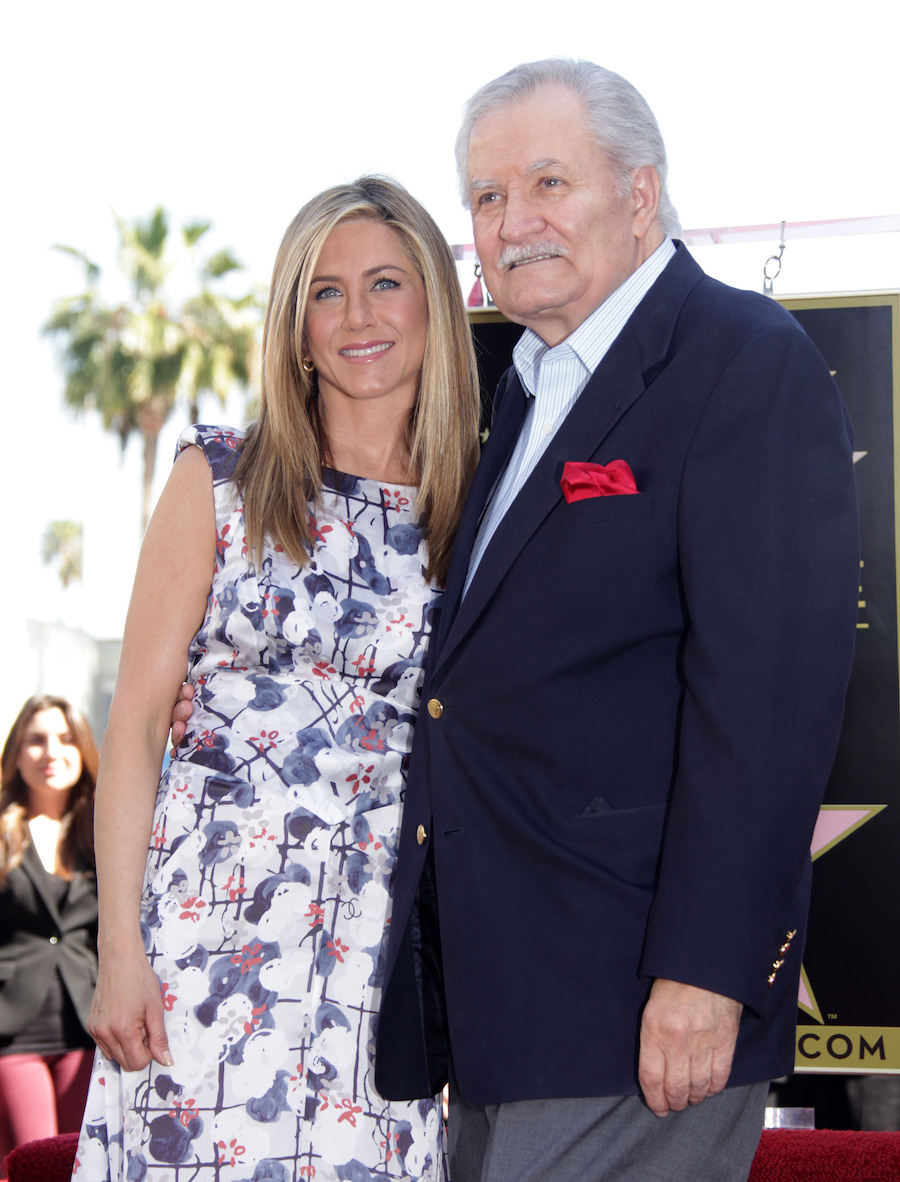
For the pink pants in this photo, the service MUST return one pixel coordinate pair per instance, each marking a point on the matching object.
(40, 1096)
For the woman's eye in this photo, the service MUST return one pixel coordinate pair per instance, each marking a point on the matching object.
(326, 293)
(386, 284)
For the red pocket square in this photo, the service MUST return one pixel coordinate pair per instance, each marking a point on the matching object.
(581, 481)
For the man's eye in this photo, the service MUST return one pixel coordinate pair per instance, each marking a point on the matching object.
(488, 198)
(550, 182)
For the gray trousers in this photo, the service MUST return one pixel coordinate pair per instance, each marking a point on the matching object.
(610, 1139)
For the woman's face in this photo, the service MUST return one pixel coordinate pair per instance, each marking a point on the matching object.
(367, 317)
(48, 756)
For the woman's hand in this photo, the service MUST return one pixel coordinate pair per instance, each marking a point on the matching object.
(126, 1019)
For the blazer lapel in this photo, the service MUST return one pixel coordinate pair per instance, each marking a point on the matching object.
(511, 402)
(633, 361)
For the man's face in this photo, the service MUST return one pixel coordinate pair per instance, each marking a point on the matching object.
(552, 232)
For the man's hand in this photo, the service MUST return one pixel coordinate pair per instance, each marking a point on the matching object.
(181, 712)
(687, 1043)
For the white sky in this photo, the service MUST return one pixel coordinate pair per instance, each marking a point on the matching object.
(238, 113)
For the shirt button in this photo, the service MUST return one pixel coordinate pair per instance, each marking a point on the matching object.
(421, 835)
(548, 428)
(53, 940)
(435, 709)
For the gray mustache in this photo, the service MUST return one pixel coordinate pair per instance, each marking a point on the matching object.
(527, 252)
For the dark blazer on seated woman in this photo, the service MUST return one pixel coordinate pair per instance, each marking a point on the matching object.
(39, 935)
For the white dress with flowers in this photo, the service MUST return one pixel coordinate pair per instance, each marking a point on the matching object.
(274, 837)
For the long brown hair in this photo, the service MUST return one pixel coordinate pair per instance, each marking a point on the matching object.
(76, 845)
(279, 469)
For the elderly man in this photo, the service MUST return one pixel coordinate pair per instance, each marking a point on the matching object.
(635, 690)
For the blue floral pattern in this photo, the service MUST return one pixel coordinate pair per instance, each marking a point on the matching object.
(274, 837)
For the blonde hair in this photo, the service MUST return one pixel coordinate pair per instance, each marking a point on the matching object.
(76, 844)
(279, 469)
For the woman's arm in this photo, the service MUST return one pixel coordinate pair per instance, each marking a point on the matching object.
(168, 603)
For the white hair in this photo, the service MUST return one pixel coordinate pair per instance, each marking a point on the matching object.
(619, 119)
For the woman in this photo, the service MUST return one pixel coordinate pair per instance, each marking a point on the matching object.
(299, 570)
(48, 921)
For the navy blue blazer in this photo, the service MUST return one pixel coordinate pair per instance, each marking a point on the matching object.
(37, 936)
(628, 723)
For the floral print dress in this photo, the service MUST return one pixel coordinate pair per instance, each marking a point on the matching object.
(267, 888)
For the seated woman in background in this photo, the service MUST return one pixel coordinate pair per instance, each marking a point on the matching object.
(48, 921)
(293, 576)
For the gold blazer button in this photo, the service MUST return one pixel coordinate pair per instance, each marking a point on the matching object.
(421, 835)
(435, 709)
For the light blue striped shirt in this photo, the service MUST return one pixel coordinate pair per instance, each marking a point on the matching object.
(553, 379)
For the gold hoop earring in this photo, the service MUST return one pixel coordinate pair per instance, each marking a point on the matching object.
(307, 364)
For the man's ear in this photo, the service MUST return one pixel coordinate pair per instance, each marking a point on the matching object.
(645, 198)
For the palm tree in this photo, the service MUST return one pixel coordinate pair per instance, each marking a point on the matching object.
(133, 361)
(62, 545)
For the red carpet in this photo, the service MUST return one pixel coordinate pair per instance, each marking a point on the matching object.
(819, 1155)
(50, 1160)
(784, 1155)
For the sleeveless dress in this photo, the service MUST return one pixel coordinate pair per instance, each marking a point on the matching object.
(266, 896)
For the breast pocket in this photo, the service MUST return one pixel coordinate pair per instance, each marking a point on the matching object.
(609, 510)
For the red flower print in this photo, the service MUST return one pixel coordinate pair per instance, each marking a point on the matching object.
(361, 778)
(350, 1111)
(191, 908)
(222, 543)
(400, 621)
(394, 498)
(250, 1026)
(316, 913)
(237, 1152)
(372, 742)
(336, 949)
(248, 957)
(318, 534)
(183, 1116)
(265, 740)
(168, 999)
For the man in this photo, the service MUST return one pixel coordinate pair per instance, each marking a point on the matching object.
(635, 690)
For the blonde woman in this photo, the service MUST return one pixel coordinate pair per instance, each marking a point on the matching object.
(292, 576)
